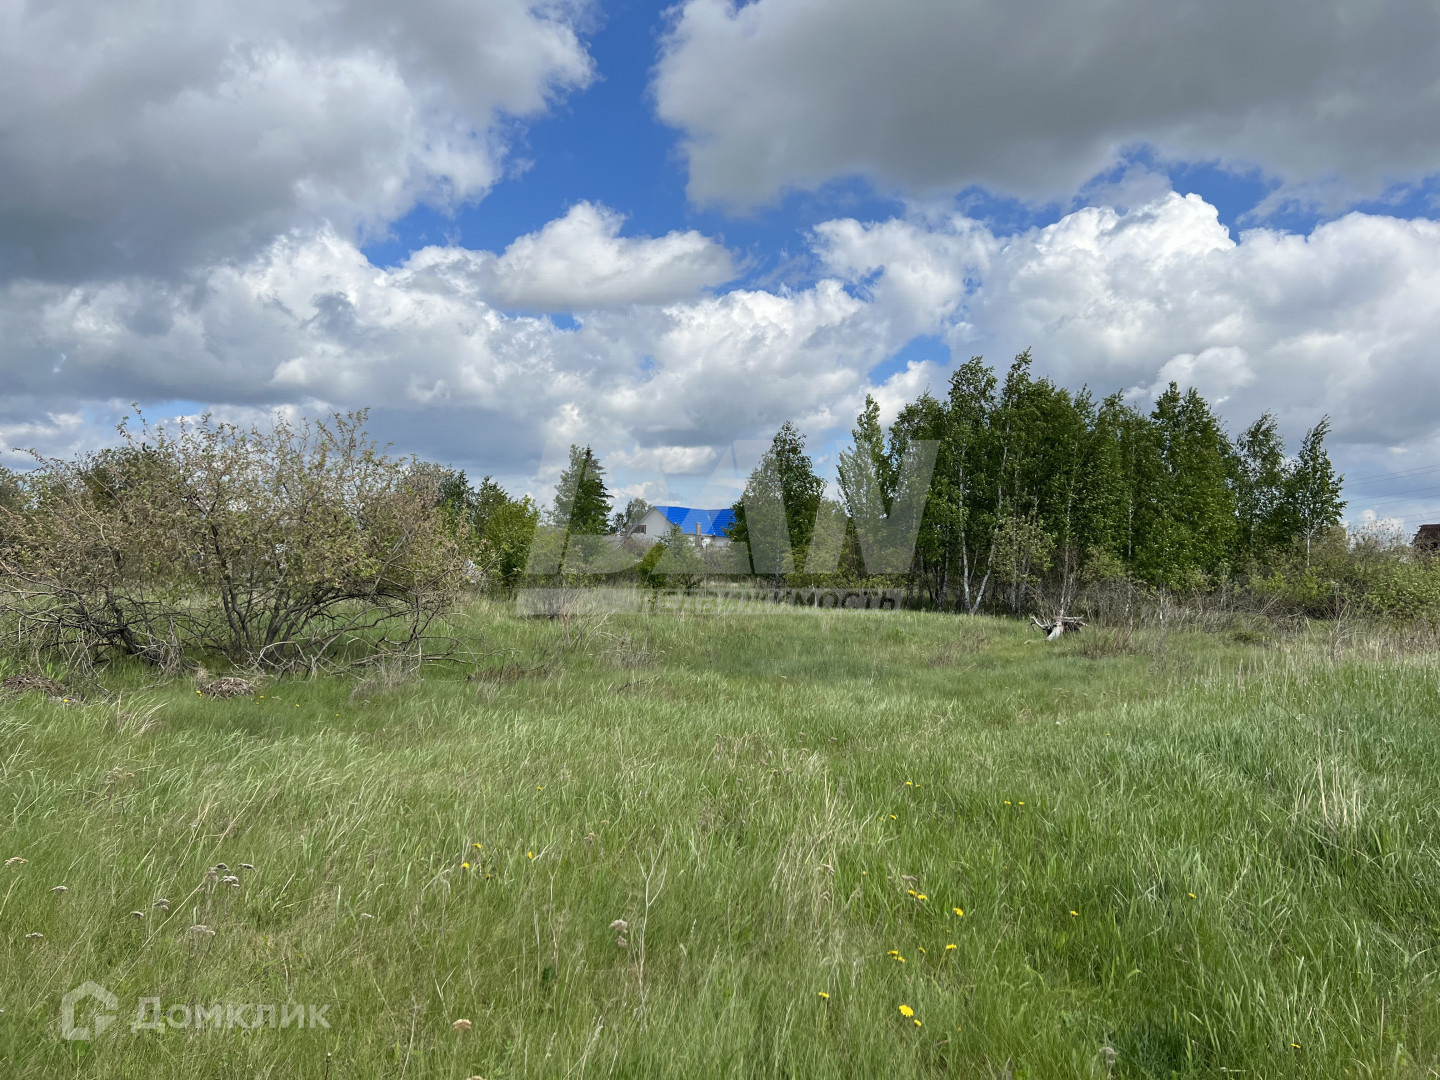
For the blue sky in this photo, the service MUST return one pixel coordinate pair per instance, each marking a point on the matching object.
(662, 228)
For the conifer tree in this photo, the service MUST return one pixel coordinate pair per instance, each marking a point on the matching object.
(581, 501)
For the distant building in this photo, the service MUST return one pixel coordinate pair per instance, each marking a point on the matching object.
(706, 527)
(1427, 538)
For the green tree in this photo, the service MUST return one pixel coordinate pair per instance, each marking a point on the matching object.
(628, 518)
(783, 486)
(505, 539)
(1259, 481)
(1311, 501)
(1186, 508)
(581, 502)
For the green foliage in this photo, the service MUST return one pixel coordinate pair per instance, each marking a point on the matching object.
(505, 539)
(675, 562)
(494, 530)
(1408, 590)
(1032, 482)
(1186, 526)
(778, 508)
(582, 505)
(627, 519)
(1259, 483)
(1312, 488)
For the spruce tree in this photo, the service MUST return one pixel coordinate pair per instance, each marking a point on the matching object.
(581, 501)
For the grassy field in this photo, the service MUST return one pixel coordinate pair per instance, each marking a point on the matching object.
(1176, 855)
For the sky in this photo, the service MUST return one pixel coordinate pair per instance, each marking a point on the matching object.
(663, 230)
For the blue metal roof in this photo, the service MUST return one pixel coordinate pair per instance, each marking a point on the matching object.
(711, 522)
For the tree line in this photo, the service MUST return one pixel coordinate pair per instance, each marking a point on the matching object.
(1032, 488)
(1003, 492)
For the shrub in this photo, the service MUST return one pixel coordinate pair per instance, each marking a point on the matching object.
(275, 549)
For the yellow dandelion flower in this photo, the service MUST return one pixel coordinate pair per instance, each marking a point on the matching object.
(912, 892)
(921, 896)
(894, 818)
(824, 995)
(922, 951)
(478, 847)
(1192, 896)
(959, 911)
(893, 952)
(909, 783)
(1075, 913)
(917, 1023)
(906, 1011)
(1022, 802)
(950, 947)
(464, 866)
(530, 854)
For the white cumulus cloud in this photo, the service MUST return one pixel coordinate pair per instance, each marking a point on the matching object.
(1342, 320)
(580, 261)
(146, 136)
(1034, 98)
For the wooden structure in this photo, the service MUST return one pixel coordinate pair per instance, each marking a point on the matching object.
(1427, 538)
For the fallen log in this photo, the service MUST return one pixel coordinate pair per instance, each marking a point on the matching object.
(1063, 624)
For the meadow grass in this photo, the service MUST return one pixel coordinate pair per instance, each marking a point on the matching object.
(1176, 855)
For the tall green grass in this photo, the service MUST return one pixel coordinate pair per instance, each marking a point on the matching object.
(1176, 855)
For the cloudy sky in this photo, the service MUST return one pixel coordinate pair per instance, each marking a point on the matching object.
(507, 225)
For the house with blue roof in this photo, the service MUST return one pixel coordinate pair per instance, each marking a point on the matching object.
(707, 527)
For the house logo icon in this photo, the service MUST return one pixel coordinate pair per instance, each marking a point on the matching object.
(98, 1022)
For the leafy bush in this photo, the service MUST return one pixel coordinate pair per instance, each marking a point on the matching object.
(275, 549)
(1408, 591)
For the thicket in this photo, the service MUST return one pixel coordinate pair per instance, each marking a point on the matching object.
(279, 549)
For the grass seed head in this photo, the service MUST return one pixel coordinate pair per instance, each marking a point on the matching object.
(462, 1025)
